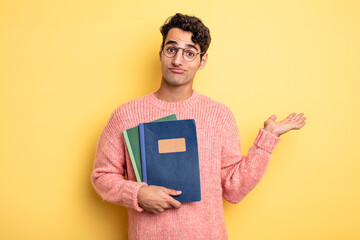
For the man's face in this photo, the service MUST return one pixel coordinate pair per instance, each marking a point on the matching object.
(176, 71)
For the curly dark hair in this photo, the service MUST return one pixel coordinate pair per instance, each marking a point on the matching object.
(200, 33)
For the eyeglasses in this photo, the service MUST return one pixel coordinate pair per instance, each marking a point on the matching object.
(188, 54)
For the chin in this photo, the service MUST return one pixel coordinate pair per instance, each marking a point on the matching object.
(178, 83)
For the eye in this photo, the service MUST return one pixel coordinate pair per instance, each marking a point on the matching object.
(171, 49)
(190, 53)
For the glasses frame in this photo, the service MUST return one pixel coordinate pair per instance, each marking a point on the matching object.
(176, 51)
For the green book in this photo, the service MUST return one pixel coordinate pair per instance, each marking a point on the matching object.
(132, 140)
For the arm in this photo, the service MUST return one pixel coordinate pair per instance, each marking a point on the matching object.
(239, 173)
(108, 176)
(109, 181)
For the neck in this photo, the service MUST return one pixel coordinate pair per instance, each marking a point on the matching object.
(171, 93)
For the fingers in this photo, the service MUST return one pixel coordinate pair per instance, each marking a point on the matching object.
(288, 118)
(167, 201)
(172, 192)
(155, 199)
(301, 125)
(299, 121)
(174, 203)
(167, 204)
(171, 202)
(298, 117)
(294, 118)
(157, 210)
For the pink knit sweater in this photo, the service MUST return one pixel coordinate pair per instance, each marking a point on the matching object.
(224, 172)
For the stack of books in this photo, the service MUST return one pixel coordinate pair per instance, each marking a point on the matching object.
(165, 153)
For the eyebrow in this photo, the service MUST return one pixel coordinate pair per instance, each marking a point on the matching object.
(176, 43)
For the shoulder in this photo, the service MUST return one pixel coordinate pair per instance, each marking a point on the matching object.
(214, 106)
(133, 105)
(129, 113)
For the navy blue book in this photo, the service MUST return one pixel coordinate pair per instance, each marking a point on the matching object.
(169, 154)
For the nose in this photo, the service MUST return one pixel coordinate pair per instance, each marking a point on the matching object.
(177, 59)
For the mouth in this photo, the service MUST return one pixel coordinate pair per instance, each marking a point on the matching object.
(177, 70)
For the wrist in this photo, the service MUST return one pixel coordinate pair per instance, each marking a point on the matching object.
(271, 131)
(139, 195)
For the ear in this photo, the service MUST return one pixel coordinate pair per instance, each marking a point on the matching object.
(203, 61)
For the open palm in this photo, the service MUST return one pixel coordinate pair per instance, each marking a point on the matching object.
(291, 122)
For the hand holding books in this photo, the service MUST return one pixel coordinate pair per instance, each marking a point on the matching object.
(155, 199)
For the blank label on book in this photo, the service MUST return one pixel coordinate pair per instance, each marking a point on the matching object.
(172, 145)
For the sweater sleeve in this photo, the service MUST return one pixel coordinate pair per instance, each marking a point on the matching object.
(239, 173)
(108, 176)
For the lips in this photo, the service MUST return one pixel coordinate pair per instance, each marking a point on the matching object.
(177, 70)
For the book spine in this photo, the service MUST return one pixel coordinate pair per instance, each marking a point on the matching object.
(142, 152)
(131, 154)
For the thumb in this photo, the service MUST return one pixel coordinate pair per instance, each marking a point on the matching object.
(272, 117)
(173, 192)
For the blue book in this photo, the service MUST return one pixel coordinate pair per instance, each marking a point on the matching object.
(169, 155)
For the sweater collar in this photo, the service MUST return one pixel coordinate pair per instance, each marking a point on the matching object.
(173, 105)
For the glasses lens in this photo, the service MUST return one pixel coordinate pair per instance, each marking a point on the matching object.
(189, 55)
(169, 51)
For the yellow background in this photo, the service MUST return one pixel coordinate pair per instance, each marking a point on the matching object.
(66, 65)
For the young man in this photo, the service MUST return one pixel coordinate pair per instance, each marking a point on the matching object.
(224, 172)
